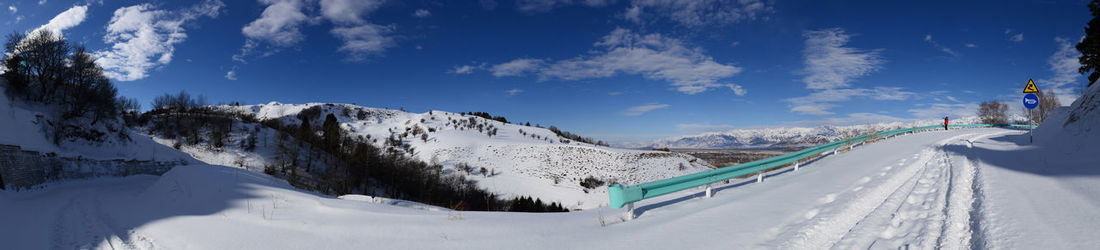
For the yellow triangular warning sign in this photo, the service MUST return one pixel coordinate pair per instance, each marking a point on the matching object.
(1030, 88)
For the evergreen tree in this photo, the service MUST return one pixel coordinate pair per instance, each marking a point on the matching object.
(305, 133)
(1090, 46)
(331, 128)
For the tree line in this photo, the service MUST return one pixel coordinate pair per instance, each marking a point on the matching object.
(44, 68)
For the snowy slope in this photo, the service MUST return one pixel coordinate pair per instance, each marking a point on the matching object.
(23, 125)
(769, 138)
(519, 160)
(890, 194)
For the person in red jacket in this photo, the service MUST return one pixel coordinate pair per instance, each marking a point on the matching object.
(945, 121)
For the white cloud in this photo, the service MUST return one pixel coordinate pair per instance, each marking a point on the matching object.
(364, 39)
(830, 68)
(41, 2)
(13, 9)
(939, 110)
(944, 49)
(1019, 37)
(639, 110)
(422, 13)
(463, 69)
(361, 38)
(633, 14)
(513, 91)
(278, 25)
(614, 93)
(952, 98)
(701, 12)
(516, 67)
(819, 102)
(696, 128)
(67, 19)
(1064, 64)
(652, 56)
(970, 45)
(532, 6)
(231, 75)
(831, 65)
(143, 37)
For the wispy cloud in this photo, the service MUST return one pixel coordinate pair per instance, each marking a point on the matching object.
(463, 69)
(652, 56)
(939, 110)
(639, 110)
(1064, 64)
(830, 69)
(1017, 37)
(829, 64)
(279, 26)
(67, 19)
(143, 37)
(535, 6)
(944, 49)
(361, 38)
(12, 9)
(516, 67)
(231, 75)
(512, 92)
(422, 13)
(694, 13)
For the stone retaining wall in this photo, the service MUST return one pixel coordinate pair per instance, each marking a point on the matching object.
(21, 169)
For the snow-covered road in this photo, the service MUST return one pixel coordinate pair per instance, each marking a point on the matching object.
(970, 188)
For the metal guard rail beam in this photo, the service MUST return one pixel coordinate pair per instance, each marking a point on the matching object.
(620, 195)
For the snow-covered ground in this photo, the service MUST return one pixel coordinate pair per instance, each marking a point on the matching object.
(942, 189)
(520, 160)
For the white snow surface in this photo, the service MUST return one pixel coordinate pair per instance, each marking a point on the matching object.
(942, 189)
(534, 162)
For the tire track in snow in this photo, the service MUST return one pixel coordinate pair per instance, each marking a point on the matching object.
(82, 224)
(827, 225)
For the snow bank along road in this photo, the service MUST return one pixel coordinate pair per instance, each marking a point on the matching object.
(943, 189)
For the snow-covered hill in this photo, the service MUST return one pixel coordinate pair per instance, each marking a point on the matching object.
(517, 160)
(770, 138)
(25, 125)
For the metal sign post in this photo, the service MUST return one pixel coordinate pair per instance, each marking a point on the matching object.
(1031, 100)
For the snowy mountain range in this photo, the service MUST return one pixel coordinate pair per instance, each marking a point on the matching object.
(790, 137)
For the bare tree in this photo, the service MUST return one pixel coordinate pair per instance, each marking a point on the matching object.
(1048, 101)
(993, 112)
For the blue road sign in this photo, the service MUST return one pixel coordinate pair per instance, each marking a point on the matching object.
(1031, 101)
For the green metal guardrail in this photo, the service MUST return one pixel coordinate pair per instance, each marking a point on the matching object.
(620, 195)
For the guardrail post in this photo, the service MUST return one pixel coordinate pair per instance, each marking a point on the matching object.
(710, 191)
(630, 211)
(760, 177)
(796, 166)
(834, 151)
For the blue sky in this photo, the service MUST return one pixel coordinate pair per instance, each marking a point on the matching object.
(618, 70)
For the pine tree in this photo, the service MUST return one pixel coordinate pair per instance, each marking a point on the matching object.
(1090, 46)
(331, 128)
(304, 131)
